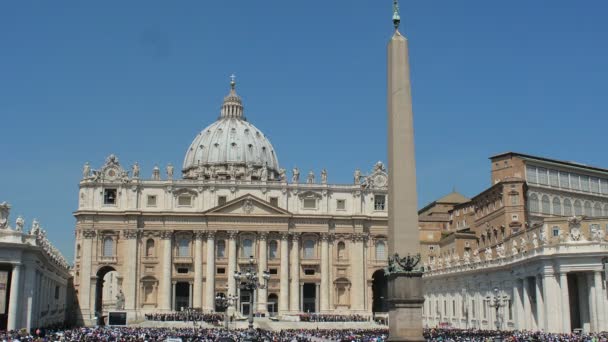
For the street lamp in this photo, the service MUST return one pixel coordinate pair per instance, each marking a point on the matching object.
(250, 281)
(223, 303)
(497, 301)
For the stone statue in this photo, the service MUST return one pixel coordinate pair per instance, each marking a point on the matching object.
(249, 171)
(86, 170)
(534, 240)
(379, 166)
(296, 175)
(282, 174)
(514, 249)
(170, 171)
(500, 250)
(310, 179)
(264, 173)
(156, 173)
(135, 170)
(35, 229)
(120, 300)
(232, 172)
(357, 176)
(523, 243)
(19, 223)
(466, 256)
(323, 176)
(543, 237)
(5, 210)
(488, 254)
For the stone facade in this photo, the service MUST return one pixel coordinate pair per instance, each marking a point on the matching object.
(34, 277)
(176, 243)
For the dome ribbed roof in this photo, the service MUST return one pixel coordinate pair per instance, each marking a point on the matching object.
(231, 147)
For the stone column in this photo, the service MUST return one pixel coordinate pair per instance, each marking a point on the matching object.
(527, 305)
(294, 292)
(166, 294)
(84, 289)
(600, 295)
(324, 273)
(197, 294)
(262, 266)
(358, 273)
(232, 260)
(404, 286)
(552, 306)
(132, 240)
(210, 273)
(284, 281)
(540, 306)
(30, 296)
(563, 285)
(173, 297)
(14, 300)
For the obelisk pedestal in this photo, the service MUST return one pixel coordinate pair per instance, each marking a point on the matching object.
(405, 297)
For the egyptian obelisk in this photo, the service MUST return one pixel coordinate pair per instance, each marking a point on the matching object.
(404, 272)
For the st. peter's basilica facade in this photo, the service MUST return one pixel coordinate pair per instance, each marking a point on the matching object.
(174, 243)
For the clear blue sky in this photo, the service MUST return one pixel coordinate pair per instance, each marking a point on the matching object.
(82, 79)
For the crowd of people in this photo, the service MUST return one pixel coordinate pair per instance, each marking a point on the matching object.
(472, 335)
(314, 317)
(185, 316)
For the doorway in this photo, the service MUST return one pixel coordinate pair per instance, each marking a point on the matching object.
(108, 293)
(245, 302)
(182, 296)
(379, 290)
(309, 297)
(272, 305)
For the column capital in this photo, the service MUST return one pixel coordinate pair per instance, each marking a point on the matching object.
(211, 235)
(130, 234)
(325, 237)
(232, 234)
(262, 235)
(284, 235)
(166, 235)
(199, 235)
(88, 233)
(295, 236)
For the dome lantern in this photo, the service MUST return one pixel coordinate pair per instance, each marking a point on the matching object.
(233, 105)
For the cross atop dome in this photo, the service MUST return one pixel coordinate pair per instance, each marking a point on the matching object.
(233, 105)
(232, 81)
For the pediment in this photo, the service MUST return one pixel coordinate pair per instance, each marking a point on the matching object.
(248, 205)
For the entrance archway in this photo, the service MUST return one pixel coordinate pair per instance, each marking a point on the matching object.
(273, 304)
(182, 295)
(379, 290)
(309, 297)
(108, 293)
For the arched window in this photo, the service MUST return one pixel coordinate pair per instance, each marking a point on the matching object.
(380, 250)
(605, 209)
(557, 206)
(309, 249)
(567, 207)
(533, 203)
(150, 248)
(247, 250)
(587, 208)
(108, 247)
(341, 250)
(273, 247)
(546, 206)
(183, 249)
(220, 251)
(578, 208)
(77, 251)
(597, 210)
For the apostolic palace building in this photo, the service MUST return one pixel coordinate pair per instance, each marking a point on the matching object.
(175, 242)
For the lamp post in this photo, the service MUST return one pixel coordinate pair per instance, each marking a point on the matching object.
(224, 303)
(250, 281)
(497, 301)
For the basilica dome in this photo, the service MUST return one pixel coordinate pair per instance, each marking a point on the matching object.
(231, 148)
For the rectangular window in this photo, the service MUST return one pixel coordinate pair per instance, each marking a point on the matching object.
(274, 201)
(221, 200)
(604, 186)
(542, 178)
(531, 174)
(56, 292)
(151, 201)
(340, 204)
(220, 270)
(309, 203)
(555, 231)
(273, 271)
(309, 271)
(184, 200)
(563, 180)
(595, 185)
(109, 196)
(585, 183)
(379, 202)
(574, 181)
(553, 178)
(514, 217)
(182, 270)
(514, 199)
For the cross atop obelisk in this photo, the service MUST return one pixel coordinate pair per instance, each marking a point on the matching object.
(403, 272)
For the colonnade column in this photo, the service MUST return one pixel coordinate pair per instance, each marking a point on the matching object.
(210, 273)
(324, 273)
(294, 292)
(132, 237)
(527, 306)
(85, 272)
(552, 306)
(592, 301)
(284, 280)
(358, 273)
(540, 306)
(232, 235)
(262, 266)
(601, 300)
(13, 302)
(197, 293)
(563, 285)
(166, 285)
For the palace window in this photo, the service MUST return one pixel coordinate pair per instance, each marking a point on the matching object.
(309, 271)
(108, 247)
(184, 200)
(587, 208)
(574, 181)
(151, 201)
(563, 180)
(274, 201)
(380, 250)
(533, 203)
(595, 185)
(150, 248)
(183, 249)
(273, 246)
(247, 249)
(309, 249)
(221, 249)
(555, 231)
(604, 186)
(597, 210)
(379, 202)
(182, 270)
(109, 196)
(514, 199)
(567, 207)
(56, 292)
(546, 207)
(585, 183)
(340, 204)
(341, 250)
(273, 271)
(542, 176)
(578, 208)
(557, 206)
(309, 203)
(221, 200)
(531, 174)
(553, 178)
(220, 270)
